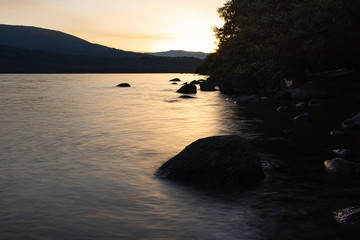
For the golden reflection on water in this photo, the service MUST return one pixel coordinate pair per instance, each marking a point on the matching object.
(83, 150)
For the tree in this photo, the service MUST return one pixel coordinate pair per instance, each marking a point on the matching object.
(272, 39)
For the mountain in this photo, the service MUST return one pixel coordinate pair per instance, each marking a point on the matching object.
(180, 53)
(18, 60)
(34, 38)
(36, 50)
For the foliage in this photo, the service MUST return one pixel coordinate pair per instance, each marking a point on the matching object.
(271, 39)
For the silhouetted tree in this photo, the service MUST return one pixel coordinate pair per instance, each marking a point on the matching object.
(271, 39)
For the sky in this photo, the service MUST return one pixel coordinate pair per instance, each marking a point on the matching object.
(131, 25)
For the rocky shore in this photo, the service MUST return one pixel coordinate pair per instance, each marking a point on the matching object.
(305, 110)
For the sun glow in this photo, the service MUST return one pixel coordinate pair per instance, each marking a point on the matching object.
(132, 25)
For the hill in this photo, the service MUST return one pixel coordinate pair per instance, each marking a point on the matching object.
(18, 60)
(34, 38)
(180, 53)
(26, 49)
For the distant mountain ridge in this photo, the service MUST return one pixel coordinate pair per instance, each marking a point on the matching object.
(37, 50)
(18, 60)
(180, 53)
(34, 38)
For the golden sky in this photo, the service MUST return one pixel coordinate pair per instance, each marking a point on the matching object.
(132, 25)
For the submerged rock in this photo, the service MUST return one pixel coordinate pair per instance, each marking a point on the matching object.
(247, 99)
(186, 96)
(352, 123)
(187, 88)
(302, 117)
(175, 80)
(348, 215)
(341, 166)
(282, 108)
(337, 133)
(123, 85)
(315, 103)
(342, 152)
(300, 105)
(221, 160)
(269, 165)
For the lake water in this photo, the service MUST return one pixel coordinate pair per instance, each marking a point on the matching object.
(78, 157)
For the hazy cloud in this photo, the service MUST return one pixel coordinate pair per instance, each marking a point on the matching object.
(163, 36)
(21, 3)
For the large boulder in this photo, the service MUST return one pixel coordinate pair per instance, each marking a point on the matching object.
(341, 166)
(187, 88)
(221, 160)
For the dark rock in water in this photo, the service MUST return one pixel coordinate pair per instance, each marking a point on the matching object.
(341, 166)
(186, 96)
(220, 160)
(207, 86)
(337, 133)
(247, 99)
(175, 80)
(187, 88)
(352, 123)
(197, 81)
(231, 99)
(240, 84)
(348, 215)
(300, 105)
(315, 103)
(123, 85)
(344, 153)
(174, 83)
(282, 108)
(282, 94)
(269, 165)
(302, 117)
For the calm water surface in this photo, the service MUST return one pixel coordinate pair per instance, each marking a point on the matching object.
(78, 157)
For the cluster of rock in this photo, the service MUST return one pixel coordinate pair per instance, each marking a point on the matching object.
(231, 160)
(189, 88)
(348, 215)
(343, 167)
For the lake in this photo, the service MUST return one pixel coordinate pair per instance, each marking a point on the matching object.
(78, 157)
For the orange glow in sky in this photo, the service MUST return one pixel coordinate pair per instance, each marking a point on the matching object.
(132, 25)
